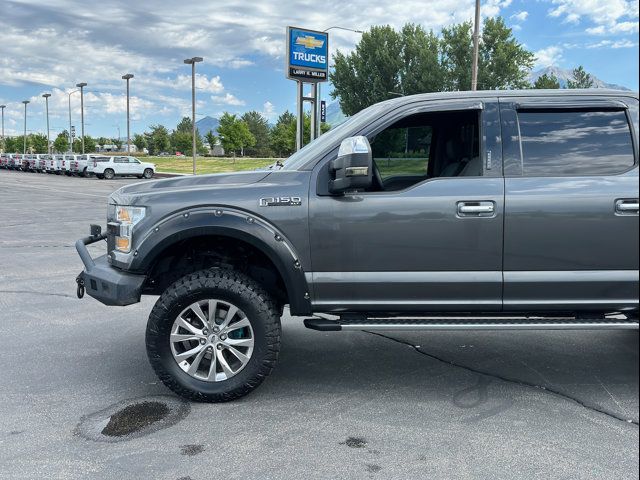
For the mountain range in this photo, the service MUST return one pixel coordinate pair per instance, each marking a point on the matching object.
(563, 75)
(207, 124)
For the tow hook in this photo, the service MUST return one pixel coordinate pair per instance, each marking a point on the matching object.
(80, 289)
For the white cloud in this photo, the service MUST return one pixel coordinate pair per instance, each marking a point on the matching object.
(613, 44)
(609, 16)
(269, 111)
(520, 16)
(210, 85)
(618, 28)
(548, 56)
(227, 99)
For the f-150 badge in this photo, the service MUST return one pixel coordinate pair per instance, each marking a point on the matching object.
(280, 201)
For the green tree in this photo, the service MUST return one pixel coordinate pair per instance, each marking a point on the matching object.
(581, 79)
(140, 141)
(548, 81)
(185, 125)
(367, 75)
(13, 144)
(117, 142)
(503, 62)
(158, 140)
(234, 134)
(456, 45)
(61, 143)
(38, 143)
(259, 128)
(282, 137)
(89, 144)
(212, 140)
(103, 141)
(386, 63)
(181, 138)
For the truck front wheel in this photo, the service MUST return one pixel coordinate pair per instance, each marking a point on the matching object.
(213, 335)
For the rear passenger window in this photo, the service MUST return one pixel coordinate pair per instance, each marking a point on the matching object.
(575, 142)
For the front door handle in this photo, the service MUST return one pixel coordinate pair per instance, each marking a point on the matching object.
(627, 206)
(476, 209)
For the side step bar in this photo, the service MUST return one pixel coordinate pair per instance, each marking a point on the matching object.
(462, 323)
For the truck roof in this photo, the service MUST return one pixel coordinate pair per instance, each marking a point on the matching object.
(563, 92)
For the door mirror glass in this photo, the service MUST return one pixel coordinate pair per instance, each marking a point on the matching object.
(353, 168)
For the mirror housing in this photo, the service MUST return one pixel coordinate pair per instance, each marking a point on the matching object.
(353, 169)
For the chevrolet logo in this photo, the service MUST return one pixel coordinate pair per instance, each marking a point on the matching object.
(309, 42)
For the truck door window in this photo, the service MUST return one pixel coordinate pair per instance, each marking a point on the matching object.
(575, 142)
(427, 145)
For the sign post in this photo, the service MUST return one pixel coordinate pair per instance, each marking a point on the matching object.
(307, 62)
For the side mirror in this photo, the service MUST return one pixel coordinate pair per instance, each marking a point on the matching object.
(353, 168)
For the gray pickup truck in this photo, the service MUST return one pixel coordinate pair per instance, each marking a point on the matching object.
(467, 210)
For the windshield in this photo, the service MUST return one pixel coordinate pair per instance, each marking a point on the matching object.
(344, 130)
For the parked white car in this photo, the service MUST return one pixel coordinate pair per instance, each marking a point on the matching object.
(109, 167)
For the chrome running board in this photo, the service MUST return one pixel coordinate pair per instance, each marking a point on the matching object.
(462, 323)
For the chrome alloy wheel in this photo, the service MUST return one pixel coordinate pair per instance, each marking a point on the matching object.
(212, 340)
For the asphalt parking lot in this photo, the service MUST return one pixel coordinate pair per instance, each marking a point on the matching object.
(339, 404)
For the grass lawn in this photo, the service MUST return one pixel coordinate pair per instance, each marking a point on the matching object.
(207, 165)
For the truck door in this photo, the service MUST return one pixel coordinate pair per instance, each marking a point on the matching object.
(428, 236)
(571, 204)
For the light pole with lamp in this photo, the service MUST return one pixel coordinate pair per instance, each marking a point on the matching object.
(192, 61)
(46, 102)
(70, 126)
(127, 77)
(2, 107)
(24, 151)
(319, 96)
(81, 87)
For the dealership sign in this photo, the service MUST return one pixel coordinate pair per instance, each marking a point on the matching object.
(307, 55)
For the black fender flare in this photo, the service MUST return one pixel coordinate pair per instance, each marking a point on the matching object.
(232, 223)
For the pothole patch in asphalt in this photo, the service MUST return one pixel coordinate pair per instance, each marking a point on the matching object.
(132, 418)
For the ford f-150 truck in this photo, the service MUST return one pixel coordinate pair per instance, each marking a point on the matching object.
(467, 210)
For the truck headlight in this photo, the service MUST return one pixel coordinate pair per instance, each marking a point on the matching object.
(127, 217)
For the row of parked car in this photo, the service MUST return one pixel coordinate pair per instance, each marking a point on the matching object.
(102, 166)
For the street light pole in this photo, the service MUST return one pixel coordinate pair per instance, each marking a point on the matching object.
(2, 107)
(70, 136)
(24, 151)
(192, 62)
(46, 101)
(127, 77)
(476, 40)
(81, 87)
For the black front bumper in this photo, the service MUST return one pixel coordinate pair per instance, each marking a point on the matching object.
(104, 282)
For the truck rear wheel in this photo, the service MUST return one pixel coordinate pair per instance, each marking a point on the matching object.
(213, 335)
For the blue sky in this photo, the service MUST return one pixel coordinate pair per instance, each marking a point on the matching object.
(50, 48)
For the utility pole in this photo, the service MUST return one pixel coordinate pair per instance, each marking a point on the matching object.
(476, 41)
(192, 62)
(46, 101)
(127, 77)
(24, 151)
(81, 87)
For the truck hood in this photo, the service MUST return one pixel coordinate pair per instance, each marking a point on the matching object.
(130, 194)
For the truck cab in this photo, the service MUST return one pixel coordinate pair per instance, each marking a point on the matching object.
(465, 210)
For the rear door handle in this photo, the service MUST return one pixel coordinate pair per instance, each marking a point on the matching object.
(476, 209)
(627, 206)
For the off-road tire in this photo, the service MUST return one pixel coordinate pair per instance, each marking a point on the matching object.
(230, 286)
